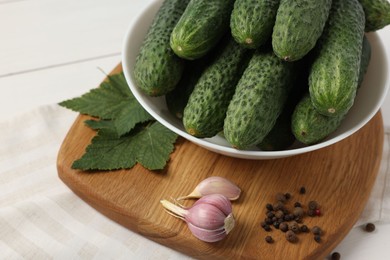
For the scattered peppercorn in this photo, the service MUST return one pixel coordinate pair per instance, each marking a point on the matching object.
(279, 206)
(269, 207)
(316, 230)
(279, 214)
(276, 224)
(269, 239)
(297, 204)
(298, 212)
(311, 212)
(263, 224)
(294, 227)
(270, 214)
(370, 227)
(335, 256)
(267, 228)
(291, 236)
(287, 196)
(317, 238)
(302, 190)
(283, 227)
(304, 229)
(313, 205)
(281, 197)
(268, 221)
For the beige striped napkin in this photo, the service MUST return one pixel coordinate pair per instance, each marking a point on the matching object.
(40, 218)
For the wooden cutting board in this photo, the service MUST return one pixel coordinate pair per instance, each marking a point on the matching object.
(339, 177)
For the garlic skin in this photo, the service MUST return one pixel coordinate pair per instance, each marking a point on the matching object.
(210, 219)
(213, 185)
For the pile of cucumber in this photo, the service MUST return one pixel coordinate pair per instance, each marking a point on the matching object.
(264, 73)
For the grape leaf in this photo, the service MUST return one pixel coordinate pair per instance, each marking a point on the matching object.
(150, 144)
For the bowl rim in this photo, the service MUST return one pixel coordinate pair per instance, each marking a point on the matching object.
(230, 151)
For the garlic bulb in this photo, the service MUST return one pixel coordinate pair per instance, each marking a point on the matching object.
(210, 219)
(213, 185)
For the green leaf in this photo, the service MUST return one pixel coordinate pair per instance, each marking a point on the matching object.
(149, 144)
(99, 124)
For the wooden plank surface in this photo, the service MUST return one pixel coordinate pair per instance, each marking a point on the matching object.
(339, 177)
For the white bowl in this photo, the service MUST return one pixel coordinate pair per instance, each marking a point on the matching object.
(368, 101)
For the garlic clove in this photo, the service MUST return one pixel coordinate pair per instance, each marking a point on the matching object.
(218, 200)
(206, 216)
(207, 235)
(213, 185)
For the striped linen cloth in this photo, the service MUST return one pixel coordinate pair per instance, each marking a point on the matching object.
(40, 218)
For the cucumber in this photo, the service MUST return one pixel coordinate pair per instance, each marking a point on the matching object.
(334, 74)
(157, 69)
(201, 26)
(207, 105)
(258, 100)
(177, 99)
(309, 126)
(377, 13)
(251, 21)
(281, 136)
(298, 26)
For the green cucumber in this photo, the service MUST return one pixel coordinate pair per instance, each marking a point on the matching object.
(334, 74)
(311, 127)
(258, 100)
(377, 14)
(251, 21)
(201, 26)
(207, 105)
(157, 69)
(298, 26)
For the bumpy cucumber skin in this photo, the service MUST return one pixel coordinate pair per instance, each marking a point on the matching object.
(258, 100)
(377, 14)
(201, 26)
(298, 26)
(335, 71)
(251, 21)
(310, 127)
(207, 105)
(157, 69)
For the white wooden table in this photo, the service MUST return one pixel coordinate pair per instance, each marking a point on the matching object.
(52, 50)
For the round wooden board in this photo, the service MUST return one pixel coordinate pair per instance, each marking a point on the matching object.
(339, 177)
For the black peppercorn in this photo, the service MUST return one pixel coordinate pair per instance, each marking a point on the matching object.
(313, 205)
(298, 212)
(283, 227)
(287, 196)
(294, 227)
(302, 190)
(297, 204)
(291, 236)
(311, 212)
(279, 206)
(304, 229)
(279, 214)
(267, 228)
(316, 230)
(268, 221)
(263, 224)
(335, 256)
(269, 239)
(276, 224)
(270, 214)
(269, 207)
(317, 238)
(281, 197)
(370, 227)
